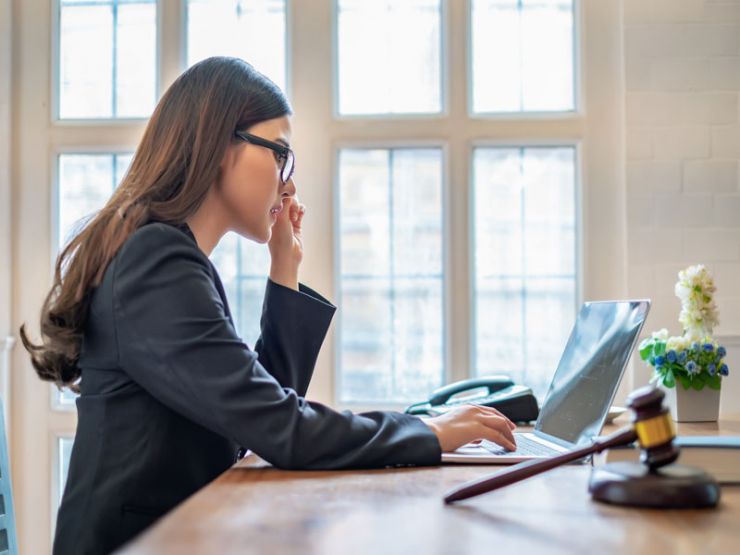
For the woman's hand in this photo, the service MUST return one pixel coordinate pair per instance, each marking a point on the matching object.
(469, 423)
(286, 243)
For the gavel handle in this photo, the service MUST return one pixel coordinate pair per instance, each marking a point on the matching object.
(526, 469)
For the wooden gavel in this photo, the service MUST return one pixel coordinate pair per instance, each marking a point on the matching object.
(651, 425)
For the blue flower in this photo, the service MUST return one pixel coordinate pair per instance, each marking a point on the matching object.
(659, 360)
(671, 356)
(724, 370)
(695, 346)
(721, 351)
(682, 356)
(708, 347)
(691, 367)
(712, 369)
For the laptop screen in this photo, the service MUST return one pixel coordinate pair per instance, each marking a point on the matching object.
(589, 371)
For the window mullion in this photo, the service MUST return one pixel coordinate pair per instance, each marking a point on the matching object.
(170, 41)
(458, 262)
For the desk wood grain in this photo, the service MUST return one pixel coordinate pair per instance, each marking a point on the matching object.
(254, 508)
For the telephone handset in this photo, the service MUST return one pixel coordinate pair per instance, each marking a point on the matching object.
(515, 401)
(490, 383)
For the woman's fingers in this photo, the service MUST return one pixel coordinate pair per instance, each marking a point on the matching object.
(494, 435)
(297, 211)
(470, 423)
(498, 426)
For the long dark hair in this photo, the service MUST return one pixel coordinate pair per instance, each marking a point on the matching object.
(175, 163)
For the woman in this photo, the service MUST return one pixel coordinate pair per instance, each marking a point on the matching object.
(138, 323)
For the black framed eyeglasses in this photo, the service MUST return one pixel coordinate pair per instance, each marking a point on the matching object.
(284, 153)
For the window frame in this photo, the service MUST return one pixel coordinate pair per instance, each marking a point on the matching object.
(600, 53)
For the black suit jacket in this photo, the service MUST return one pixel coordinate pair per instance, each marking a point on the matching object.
(170, 394)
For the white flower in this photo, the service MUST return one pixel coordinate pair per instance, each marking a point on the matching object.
(695, 288)
(661, 335)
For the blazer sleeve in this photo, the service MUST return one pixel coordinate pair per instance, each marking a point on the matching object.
(175, 340)
(293, 327)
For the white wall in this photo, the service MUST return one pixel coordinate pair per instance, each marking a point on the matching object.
(682, 80)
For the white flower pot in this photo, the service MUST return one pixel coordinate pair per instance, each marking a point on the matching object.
(692, 405)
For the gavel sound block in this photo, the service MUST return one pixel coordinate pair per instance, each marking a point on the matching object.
(653, 482)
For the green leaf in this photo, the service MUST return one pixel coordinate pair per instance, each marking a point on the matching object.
(685, 382)
(669, 380)
(698, 384)
(659, 348)
(645, 350)
(715, 382)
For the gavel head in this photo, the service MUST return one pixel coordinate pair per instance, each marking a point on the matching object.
(654, 427)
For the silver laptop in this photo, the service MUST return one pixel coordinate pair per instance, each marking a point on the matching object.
(582, 389)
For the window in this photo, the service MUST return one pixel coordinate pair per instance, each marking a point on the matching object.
(391, 260)
(389, 56)
(525, 260)
(107, 58)
(523, 55)
(392, 280)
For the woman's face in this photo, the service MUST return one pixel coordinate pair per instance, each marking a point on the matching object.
(250, 185)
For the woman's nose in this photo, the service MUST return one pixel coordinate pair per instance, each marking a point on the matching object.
(289, 189)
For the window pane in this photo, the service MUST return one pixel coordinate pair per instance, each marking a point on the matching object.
(64, 451)
(525, 260)
(243, 266)
(86, 181)
(136, 69)
(107, 58)
(392, 319)
(400, 71)
(523, 55)
(253, 30)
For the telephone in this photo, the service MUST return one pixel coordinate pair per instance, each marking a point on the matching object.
(517, 402)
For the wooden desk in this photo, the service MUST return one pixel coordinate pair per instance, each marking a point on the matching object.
(254, 508)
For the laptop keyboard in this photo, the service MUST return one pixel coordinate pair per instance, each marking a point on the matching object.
(524, 447)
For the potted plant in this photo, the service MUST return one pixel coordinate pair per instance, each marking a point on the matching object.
(690, 367)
